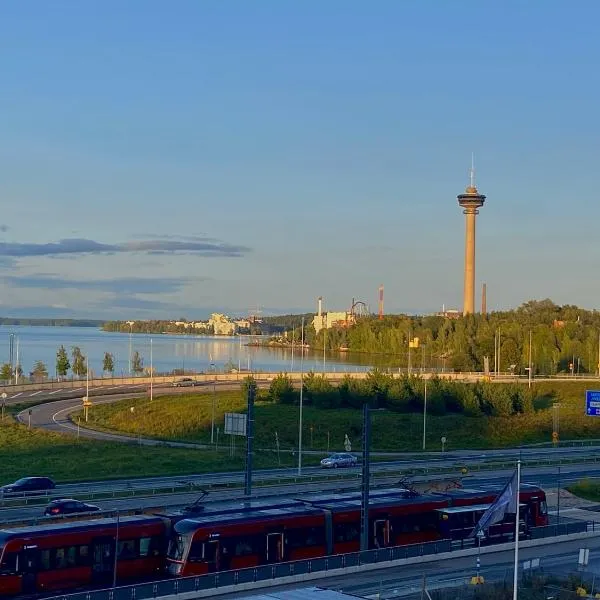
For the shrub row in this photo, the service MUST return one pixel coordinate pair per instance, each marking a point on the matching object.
(404, 394)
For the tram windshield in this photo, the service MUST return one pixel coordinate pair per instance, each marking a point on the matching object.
(177, 546)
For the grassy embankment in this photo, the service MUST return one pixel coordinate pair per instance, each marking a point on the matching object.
(188, 417)
(64, 458)
(587, 489)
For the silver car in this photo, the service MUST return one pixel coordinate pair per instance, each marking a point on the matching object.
(343, 459)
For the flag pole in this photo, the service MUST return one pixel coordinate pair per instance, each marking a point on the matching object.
(516, 571)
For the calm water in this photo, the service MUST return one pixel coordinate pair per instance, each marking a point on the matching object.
(168, 351)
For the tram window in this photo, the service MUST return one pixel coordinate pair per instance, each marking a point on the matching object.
(307, 536)
(83, 555)
(543, 507)
(71, 556)
(346, 532)
(247, 546)
(144, 546)
(60, 560)
(45, 560)
(196, 552)
(127, 549)
(9, 563)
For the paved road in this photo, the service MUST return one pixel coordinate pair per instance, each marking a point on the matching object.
(545, 477)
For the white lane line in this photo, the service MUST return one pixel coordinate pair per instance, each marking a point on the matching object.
(35, 393)
(54, 392)
(15, 396)
(79, 389)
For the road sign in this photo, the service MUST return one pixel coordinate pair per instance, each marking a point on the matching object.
(235, 423)
(592, 403)
(4, 395)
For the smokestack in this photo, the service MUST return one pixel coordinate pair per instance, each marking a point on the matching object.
(320, 306)
(484, 299)
(381, 301)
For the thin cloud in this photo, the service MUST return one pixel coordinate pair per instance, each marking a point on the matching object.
(4, 228)
(206, 247)
(120, 285)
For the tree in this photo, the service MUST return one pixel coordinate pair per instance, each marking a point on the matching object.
(137, 362)
(281, 389)
(108, 364)
(248, 383)
(39, 370)
(79, 366)
(6, 372)
(62, 362)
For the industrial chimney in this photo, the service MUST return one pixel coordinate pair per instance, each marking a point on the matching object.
(319, 306)
(484, 299)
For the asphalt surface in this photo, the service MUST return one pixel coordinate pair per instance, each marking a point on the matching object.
(545, 477)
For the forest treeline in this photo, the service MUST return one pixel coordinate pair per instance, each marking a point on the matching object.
(564, 339)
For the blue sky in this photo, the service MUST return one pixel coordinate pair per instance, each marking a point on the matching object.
(218, 154)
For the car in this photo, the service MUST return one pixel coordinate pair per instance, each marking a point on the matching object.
(28, 484)
(343, 459)
(68, 506)
(185, 382)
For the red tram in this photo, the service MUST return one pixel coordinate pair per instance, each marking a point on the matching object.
(82, 554)
(72, 555)
(322, 525)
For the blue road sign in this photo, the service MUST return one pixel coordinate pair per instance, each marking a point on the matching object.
(592, 403)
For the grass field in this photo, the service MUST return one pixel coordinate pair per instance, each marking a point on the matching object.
(188, 417)
(64, 458)
(590, 490)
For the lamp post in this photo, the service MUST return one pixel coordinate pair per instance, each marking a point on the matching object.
(424, 415)
(301, 390)
(529, 369)
(214, 397)
(130, 323)
(151, 374)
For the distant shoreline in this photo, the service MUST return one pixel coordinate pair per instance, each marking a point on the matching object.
(8, 321)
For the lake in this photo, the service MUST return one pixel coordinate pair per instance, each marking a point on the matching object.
(169, 352)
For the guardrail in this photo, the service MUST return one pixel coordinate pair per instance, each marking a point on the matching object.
(185, 585)
(235, 480)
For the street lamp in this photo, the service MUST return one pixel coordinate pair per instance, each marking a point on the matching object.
(301, 391)
(212, 417)
(151, 373)
(130, 323)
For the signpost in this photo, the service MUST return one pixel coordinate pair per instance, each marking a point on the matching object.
(4, 396)
(235, 424)
(86, 406)
(592, 403)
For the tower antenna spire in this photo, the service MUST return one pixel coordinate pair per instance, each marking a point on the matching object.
(472, 172)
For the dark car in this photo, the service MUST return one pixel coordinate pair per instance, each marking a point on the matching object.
(68, 506)
(28, 484)
(185, 382)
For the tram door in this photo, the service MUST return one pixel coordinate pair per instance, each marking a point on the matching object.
(103, 559)
(212, 555)
(274, 547)
(381, 533)
(28, 567)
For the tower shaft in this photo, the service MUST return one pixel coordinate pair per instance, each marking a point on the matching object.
(469, 284)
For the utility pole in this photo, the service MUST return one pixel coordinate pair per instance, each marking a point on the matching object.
(530, 370)
(249, 440)
(151, 373)
(301, 398)
(424, 415)
(364, 505)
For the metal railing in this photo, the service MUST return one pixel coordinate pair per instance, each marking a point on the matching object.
(213, 581)
(185, 585)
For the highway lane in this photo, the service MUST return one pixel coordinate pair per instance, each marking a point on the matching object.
(545, 477)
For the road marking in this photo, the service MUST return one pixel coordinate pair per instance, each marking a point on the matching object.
(54, 392)
(35, 393)
(79, 389)
(16, 395)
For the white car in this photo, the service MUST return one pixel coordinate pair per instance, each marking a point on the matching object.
(343, 459)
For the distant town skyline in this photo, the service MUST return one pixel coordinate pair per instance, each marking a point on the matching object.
(164, 163)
